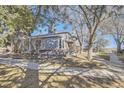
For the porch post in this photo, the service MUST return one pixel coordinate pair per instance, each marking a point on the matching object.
(59, 43)
(29, 50)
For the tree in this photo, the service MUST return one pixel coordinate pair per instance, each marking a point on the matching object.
(93, 17)
(16, 20)
(115, 27)
(100, 43)
(51, 17)
(74, 19)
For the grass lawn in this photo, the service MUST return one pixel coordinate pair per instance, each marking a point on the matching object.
(11, 76)
(14, 76)
(104, 55)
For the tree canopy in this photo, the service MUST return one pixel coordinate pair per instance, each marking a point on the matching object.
(86, 21)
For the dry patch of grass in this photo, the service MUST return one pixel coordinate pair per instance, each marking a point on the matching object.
(13, 76)
(10, 76)
(75, 61)
(75, 81)
(83, 64)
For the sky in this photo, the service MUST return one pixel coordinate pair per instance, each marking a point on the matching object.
(112, 42)
(60, 28)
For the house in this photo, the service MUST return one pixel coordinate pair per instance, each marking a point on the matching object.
(49, 44)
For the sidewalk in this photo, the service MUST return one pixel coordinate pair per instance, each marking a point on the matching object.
(114, 64)
(115, 60)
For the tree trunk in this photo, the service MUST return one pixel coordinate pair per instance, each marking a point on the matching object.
(12, 46)
(80, 43)
(90, 50)
(118, 47)
(16, 48)
(81, 49)
(51, 28)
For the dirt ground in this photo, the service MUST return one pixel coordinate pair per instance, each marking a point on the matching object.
(96, 75)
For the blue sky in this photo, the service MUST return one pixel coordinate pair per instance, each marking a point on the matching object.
(60, 28)
(112, 42)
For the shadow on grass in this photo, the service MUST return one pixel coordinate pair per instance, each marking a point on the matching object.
(13, 76)
(61, 79)
(77, 81)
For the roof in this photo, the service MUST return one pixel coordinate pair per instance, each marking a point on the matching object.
(50, 35)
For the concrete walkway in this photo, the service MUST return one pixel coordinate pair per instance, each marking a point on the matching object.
(20, 62)
(115, 60)
(113, 64)
(30, 64)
